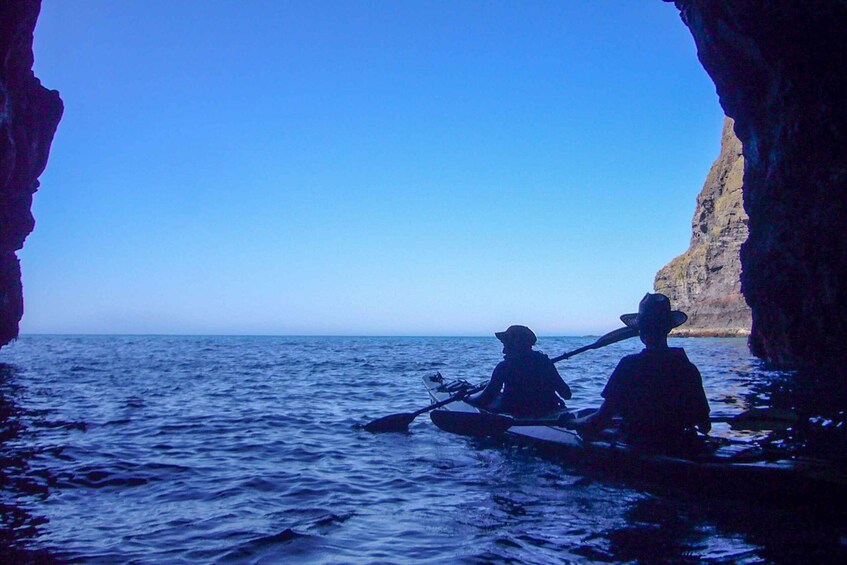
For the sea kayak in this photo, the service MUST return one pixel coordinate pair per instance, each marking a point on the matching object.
(712, 465)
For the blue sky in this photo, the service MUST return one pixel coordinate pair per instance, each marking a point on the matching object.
(374, 168)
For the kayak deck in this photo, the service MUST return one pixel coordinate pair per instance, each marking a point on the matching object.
(718, 465)
(439, 390)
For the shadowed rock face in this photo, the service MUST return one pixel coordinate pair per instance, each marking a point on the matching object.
(705, 281)
(780, 72)
(29, 114)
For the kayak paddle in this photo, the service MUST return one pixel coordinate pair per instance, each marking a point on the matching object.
(757, 419)
(399, 422)
(613, 336)
(481, 424)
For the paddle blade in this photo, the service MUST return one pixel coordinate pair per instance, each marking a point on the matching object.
(761, 419)
(473, 424)
(391, 423)
(758, 419)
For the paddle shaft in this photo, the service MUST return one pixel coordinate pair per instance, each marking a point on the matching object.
(564, 356)
(614, 336)
(455, 397)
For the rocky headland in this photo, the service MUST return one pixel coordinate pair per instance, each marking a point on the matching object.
(780, 72)
(705, 281)
(29, 114)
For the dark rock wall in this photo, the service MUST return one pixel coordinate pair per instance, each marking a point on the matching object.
(781, 72)
(29, 114)
(705, 281)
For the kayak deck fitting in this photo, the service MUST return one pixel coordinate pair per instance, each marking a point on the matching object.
(718, 465)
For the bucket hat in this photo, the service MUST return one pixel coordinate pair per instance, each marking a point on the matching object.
(517, 335)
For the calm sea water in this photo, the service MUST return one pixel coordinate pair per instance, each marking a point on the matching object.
(246, 449)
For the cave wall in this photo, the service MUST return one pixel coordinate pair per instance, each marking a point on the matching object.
(705, 281)
(780, 71)
(29, 114)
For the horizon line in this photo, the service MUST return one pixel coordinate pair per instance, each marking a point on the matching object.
(156, 334)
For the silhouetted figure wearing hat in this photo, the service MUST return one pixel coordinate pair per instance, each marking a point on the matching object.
(658, 393)
(525, 383)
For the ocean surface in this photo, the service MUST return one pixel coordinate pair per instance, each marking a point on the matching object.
(249, 449)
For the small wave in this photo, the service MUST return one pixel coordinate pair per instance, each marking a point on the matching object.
(124, 474)
(99, 479)
(84, 369)
(285, 535)
(120, 422)
(509, 506)
(330, 519)
(255, 547)
(260, 485)
(82, 426)
(59, 453)
(507, 542)
(170, 467)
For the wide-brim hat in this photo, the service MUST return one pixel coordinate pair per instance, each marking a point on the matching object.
(655, 308)
(517, 334)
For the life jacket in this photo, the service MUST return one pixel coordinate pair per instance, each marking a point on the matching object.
(529, 384)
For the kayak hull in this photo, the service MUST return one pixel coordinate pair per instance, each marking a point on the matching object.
(722, 467)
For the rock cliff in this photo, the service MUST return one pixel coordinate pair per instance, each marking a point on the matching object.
(781, 74)
(29, 114)
(705, 281)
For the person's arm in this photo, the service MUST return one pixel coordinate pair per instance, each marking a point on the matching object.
(698, 403)
(602, 418)
(559, 384)
(702, 422)
(491, 390)
(595, 423)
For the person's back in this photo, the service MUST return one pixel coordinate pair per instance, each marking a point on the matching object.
(657, 393)
(529, 384)
(526, 382)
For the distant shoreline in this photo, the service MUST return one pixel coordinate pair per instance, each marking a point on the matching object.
(710, 332)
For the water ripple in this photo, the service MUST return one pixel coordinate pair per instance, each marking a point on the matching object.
(245, 449)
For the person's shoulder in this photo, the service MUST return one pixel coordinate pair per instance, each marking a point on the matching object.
(536, 360)
(681, 358)
(631, 359)
(628, 364)
(540, 356)
(677, 353)
(503, 364)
